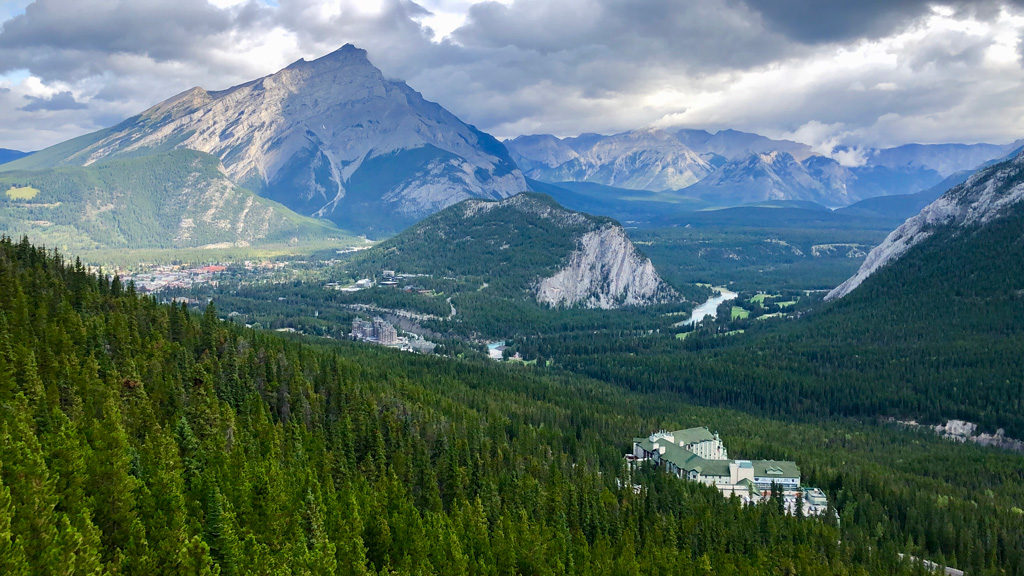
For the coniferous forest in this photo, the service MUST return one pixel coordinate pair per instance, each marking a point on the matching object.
(138, 438)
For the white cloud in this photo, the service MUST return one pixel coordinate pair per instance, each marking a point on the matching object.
(878, 74)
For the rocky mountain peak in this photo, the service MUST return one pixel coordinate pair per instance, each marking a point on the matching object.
(330, 137)
(347, 55)
(644, 159)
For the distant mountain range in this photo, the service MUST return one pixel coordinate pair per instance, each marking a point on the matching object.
(730, 168)
(330, 138)
(527, 247)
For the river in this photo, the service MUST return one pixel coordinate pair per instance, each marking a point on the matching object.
(709, 308)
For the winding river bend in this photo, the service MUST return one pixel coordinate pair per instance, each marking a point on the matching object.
(710, 307)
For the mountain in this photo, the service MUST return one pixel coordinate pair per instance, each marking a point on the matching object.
(8, 155)
(528, 247)
(176, 199)
(631, 207)
(640, 159)
(774, 176)
(330, 138)
(959, 216)
(735, 145)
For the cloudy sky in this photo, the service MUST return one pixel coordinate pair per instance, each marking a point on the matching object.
(825, 72)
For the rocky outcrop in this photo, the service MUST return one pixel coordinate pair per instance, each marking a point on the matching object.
(605, 271)
(975, 202)
(963, 431)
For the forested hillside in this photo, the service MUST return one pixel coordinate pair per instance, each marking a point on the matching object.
(509, 244)
(176, 199)
(136, 438)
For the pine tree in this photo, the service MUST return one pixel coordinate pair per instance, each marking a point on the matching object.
(220, 533)
(194, 560)
(13, 561)
(349, 547)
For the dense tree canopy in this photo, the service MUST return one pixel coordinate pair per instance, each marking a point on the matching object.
(138, 438)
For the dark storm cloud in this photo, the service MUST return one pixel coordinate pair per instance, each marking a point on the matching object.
(838, 20)
(60, 101)
(70, 40)
(707, 34)
(821, 21)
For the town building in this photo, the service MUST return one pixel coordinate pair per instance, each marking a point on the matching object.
(378, 330)
(384, 332)
(698, 455)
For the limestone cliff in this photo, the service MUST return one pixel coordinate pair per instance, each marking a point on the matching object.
(605, 271)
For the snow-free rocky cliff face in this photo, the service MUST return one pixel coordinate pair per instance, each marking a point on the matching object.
(974, 203)
(605, 271)
(331, 138)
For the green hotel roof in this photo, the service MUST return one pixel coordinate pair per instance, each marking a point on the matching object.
(776, 468)
(687, 460)
(693, 435)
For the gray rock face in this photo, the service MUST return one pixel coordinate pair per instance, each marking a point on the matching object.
(325, 137)
(975, 202)
(605, 271)
(963, 431)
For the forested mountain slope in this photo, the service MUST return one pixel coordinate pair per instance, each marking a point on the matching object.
(957, 217)
(136, 438)
(177, 199)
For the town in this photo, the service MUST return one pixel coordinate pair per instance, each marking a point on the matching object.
(698, 455)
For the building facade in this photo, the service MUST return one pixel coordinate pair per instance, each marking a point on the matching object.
(379, 330)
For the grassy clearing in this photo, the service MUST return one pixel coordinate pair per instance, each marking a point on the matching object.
(22, 192)
(786, 304)
(759, 298)
(739, 313)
